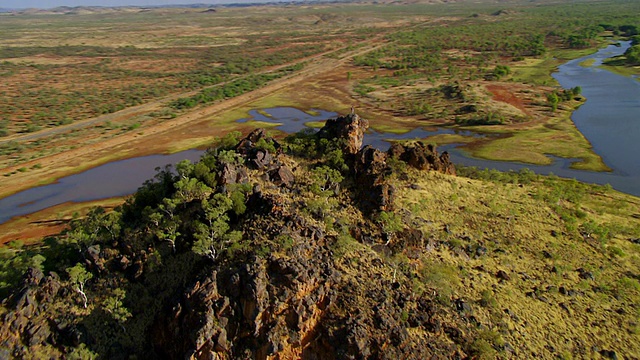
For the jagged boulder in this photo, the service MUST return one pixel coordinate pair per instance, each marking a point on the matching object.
(253, 149)
(282, 176)
(248, 148)
(423, 157)
(232, 174)
(350, 128)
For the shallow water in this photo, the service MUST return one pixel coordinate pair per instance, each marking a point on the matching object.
(116, 178)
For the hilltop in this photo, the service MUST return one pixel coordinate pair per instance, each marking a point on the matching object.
(314, 247)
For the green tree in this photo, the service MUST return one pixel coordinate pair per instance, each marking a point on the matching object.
(213, 234)
(390, 223)
(633, 55)
(576, 90)
(325, 179)
(81, 353)
(163, 222)
(114, 306)
(501, 70)
(189, 189)
(78, 276)
(238, 199)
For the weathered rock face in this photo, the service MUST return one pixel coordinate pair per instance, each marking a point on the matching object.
(298, 305)
(28, 323)
(370, 166)
(349, 128)
(256, 157)
(261, 308)
(259, 158)
(423, 157)
(371, 170)
(232, 174)
(263, 159)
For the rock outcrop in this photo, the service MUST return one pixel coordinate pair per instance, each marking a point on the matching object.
(349, 128)
(28, 321)
(423, 157)
(369, 165)
(299, 305)
(262, 274)
(261, 152)
(375, 193)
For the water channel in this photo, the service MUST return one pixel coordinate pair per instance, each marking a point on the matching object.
(610, 120)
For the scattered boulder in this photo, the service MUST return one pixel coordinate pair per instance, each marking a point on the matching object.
(462, 306)
(609, 354)
(282, 176)
(254, 149)
(232, 174)
(584, 274)
(503, 276)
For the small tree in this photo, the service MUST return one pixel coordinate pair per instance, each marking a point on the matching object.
(213, 235)
(78, 276)
(390, 223)
(576, 90)
(325, 179)
(114, 306)
(553, 100)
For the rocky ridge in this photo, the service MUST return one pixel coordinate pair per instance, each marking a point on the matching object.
(293, 303)
(313, 247)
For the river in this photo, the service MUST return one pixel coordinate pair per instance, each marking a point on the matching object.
(609, 119)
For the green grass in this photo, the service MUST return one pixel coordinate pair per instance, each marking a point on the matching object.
(558, 137)
(516, 217)
(315, 124)
(587, 63)
(443, 139)
(538, 71)
(623, 70)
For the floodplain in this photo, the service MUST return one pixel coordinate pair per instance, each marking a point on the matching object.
(84, 88)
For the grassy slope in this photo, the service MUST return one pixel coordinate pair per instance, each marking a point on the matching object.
(542, 254)
(538, 70)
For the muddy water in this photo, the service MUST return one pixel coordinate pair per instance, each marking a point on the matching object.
(610, 120)
(116, 178)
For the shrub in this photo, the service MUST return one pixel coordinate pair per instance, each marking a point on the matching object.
(442, 278)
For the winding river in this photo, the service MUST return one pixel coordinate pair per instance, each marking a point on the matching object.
(609, 119)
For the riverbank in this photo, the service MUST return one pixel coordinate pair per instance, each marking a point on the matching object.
(33, 228)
